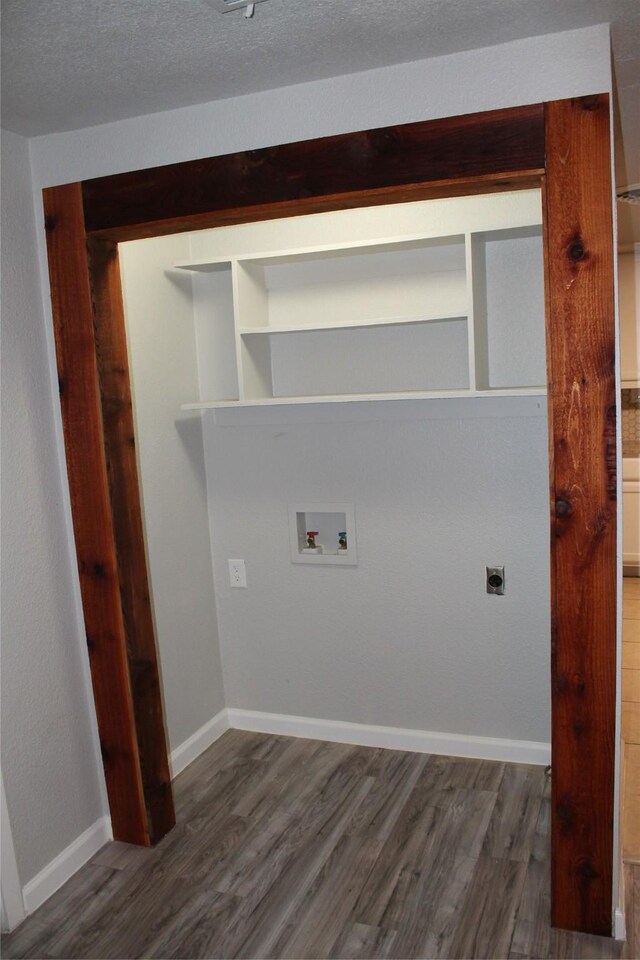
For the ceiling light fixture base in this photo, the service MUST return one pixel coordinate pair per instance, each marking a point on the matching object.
(226, 6)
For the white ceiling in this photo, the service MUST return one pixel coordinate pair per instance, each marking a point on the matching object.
(68, 64)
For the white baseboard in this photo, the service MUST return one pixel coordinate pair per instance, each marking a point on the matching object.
(392, 738)
(63, 867)
(198, 742)
(13, 911)
(619, 926)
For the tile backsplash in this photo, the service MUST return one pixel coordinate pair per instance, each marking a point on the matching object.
(631, 423)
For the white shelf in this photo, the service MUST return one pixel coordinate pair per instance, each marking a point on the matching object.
(203, 266)
(367, 397)
(322, 251)
(348, 324)
(450, 306)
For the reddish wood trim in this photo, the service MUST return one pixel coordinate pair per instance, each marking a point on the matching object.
(122, 472)
(91, 507)
(463, 154)
(364, 167)
(527, 179)
(582, 410)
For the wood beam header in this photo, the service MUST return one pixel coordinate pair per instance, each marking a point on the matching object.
(494, 149)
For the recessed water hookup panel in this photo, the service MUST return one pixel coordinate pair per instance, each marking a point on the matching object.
(322, 533)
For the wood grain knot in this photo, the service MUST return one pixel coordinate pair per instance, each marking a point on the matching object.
(99, 570)
(602, 522)
(576, 250)
(563, 508)
(587, 870)
(248, 158)
(142, 672)
(593, 102)
(49, 222)
(160, 788)
(382, 142)
(565, 811)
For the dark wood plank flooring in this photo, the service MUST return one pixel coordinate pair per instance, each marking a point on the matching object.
(301, 848)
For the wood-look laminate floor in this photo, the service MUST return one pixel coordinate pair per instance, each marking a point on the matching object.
(301, 848)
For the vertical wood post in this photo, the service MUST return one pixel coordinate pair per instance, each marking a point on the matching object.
(582, 405)
(128, 531)
(133, 804)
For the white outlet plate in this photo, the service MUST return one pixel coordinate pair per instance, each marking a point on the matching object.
(237, 573)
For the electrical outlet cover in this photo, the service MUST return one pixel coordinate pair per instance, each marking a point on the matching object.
(237, 573)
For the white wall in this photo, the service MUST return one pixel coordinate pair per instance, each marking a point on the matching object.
(50, 761)
(163, 365)
(523, 71)
(548, 67)
(408, 637)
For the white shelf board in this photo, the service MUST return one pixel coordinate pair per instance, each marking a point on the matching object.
(318, 251)
(203, 266)
(347, 324)
(364, 397)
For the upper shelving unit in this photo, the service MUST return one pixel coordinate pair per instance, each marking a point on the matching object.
(437, 298)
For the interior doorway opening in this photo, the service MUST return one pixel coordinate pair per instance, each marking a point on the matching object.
(564, 145)
(443, 299)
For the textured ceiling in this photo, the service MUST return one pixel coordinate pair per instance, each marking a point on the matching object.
(74, 63)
